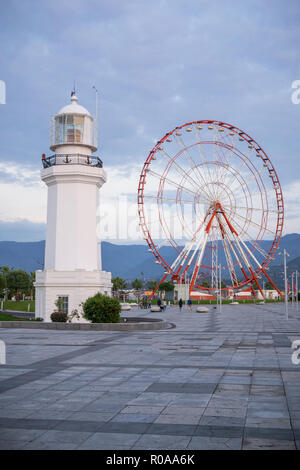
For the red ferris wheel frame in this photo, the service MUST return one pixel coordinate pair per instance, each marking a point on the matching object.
(260, 153)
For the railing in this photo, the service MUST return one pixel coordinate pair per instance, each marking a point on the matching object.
(73, 159)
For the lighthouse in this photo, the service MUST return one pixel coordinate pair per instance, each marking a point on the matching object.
(74, 176)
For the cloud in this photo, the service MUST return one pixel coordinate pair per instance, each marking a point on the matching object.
(24, 201)
(155, 68)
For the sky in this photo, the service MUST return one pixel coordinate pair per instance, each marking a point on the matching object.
(156, 65)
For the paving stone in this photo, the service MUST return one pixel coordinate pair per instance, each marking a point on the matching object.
(167, 442)
(184, 410)
(267, 444)
(39, 445)
(143, 409)
(102, 440)
(226, 412)
(218, 431)
(221, 421)
(173, 429)
(82, 426)
(181, 387)
(215, 443)
(26, 435)
(134, 418)
(177, 419)
(267, 414)
(196, 385)
(268, 433)
(282, 423)
(91, 416)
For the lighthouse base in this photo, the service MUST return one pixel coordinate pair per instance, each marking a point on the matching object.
(74, 287)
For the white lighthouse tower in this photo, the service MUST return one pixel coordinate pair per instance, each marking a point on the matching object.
(72, 268)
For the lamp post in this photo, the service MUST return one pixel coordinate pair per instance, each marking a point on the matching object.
(292, 283)
(296, 275)
(220, 289)
(286, 299)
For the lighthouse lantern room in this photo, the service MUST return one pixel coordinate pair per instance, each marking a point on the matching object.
(73, 175)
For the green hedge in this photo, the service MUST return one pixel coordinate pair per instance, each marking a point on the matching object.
(102, 309)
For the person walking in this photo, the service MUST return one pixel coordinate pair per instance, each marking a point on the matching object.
(190, 305)
(180, 304)
(159, 304)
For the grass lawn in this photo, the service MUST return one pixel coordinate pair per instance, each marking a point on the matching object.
(5, 317)
(22, 306)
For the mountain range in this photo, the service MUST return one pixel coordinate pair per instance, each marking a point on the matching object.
(135, 261)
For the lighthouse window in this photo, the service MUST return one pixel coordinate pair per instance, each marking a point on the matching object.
(69, 129)
(64, 303)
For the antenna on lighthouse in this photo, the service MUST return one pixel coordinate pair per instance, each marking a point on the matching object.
(73, 92)
(96, 116)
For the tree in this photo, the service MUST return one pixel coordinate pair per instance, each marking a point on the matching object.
(268, 286)
(118, 283)
(137, 284)
(32, 281)
(166, 286)
(4, 270)
(18, 282)
(2, 284)
(152, 285)
(222, 284)
(205, 284)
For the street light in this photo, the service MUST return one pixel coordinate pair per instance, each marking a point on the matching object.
(220, 290)
(285, 254)
(292, 283)
(297, 274)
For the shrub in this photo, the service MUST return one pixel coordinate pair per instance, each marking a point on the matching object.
(59, 317)
(102, 309)
(38, 319)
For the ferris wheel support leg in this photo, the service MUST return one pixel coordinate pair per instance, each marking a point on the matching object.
(253, 291)
(246, 277)
(263, 270)
(273, 284)
(157, 287)
(199, 260)
(257, 283)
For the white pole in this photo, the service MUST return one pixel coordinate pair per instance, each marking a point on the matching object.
(220, 281)
(96, 118)
(285, 285)
(292, 282)
(297, 274)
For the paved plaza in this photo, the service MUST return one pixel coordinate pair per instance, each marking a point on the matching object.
(209, 381)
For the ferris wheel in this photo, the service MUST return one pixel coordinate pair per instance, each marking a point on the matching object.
(209, 196)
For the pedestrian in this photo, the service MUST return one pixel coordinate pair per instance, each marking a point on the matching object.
(164, 305)
(190, 305)
(159, 304)
(180, 304)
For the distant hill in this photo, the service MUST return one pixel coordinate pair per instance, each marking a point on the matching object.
(129, 261)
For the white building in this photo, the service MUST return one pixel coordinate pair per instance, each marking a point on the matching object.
(72, 268)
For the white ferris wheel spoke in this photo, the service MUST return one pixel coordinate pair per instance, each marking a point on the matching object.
(191, 161)
(203, 156)
(185, 201)
(161, 177)
(183, 173)
(253, 243)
